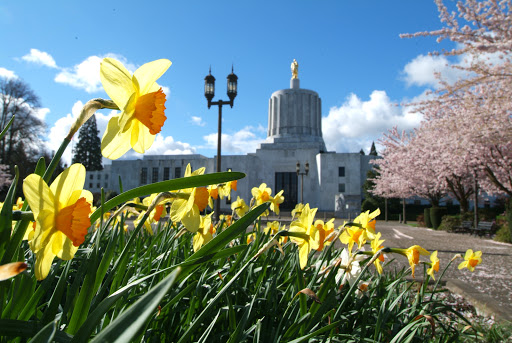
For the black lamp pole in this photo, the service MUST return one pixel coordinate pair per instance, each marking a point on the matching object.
(209, 93)
(306, 171)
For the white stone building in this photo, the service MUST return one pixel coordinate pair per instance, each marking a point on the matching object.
(333, 183)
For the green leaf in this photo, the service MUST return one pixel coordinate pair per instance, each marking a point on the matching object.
(125, 327)
(4, 131)
(6, 218)
(165, 186)
(46, 334)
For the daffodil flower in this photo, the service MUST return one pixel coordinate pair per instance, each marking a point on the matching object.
(142, 104)
(261, 194)
(367, 221)
(240, 207)
(350, 267)
(304, 225)
(61, 211)
(273, 228)
(188, 210)
(275, 201)
(353, 235)
(413, 255)
(324, 230)
(434, 265)
(472, 259)
(376, 246)
(154, 216)
(205, 232)
(297, 210)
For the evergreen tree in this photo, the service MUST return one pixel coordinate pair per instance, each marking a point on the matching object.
(88, 148)
(362, 152)
(373, 150)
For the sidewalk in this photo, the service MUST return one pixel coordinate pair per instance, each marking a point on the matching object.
(488, 288)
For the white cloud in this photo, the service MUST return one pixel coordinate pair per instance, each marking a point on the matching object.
(245, 141)
(167, 91)
(40, 57)
(85, 75)
(356, 123)
(422, 71)
(40, 113)
(7, 74)
(198, 121)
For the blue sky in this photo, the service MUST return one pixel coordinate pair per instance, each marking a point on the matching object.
(349, 52)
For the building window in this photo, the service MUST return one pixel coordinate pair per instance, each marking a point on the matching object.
(99, 177)
(90, 185)
(417, 202)
(341, 172)
(166, 173)
(106, 176)
(91, 177)
(341, 187)
(177, 172)
(106, 185)
(98, 185)
(144, 176)
(154, 177)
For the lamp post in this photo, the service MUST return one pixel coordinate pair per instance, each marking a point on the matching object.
(305, 172)
(209, 93)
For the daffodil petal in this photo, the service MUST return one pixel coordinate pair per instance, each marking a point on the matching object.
(66, 250)
(44, 229)
(115, 143)
(38, 194)
(192, 220)
(70, 180)
(44, 260)
(141, 140)
(116, 81)
(148, 73)
(126, 116)
(198, 241)
(303, 255)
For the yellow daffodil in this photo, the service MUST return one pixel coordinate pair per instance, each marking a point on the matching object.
(188, 210)
(62, 214)
(251, 238)
(205, 232)
(367, 221)
(304, 225)
(353, 235)
(261, 194)
(142, 104)
(376, 246)
(240, 207)
(273, 228)
(297, 210)
(434, 265)
(275, 201)
(472, 259)
(413, 255)
(324, 230)
(154, 216)
(225, 189)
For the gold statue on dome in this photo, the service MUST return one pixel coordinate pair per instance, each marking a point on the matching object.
(295, 69)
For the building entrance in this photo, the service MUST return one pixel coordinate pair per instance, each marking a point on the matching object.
(288, 183)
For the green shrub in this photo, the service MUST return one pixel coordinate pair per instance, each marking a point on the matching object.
(448, 222)
(503, 235)
(436, 214)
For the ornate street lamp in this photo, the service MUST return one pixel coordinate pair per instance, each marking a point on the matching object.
(306, 171)
(209, 93)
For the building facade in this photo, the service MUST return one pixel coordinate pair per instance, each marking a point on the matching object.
(333, 182)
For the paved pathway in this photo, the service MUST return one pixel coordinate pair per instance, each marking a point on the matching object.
(490, 285)
(491, 280)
